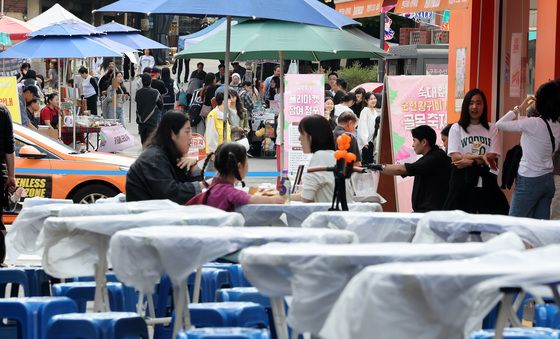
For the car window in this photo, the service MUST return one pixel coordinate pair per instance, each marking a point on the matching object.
(20, 142)
(51, 143)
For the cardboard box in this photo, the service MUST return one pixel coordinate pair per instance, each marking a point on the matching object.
(49, 132)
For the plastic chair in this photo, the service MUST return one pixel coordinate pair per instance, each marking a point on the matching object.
(33, 314)
(212, 280)
(547, 315)
(83, 291)
(228, 314)
(236, 276)
(14, 276)
(109, 325)
(224, 333)
(519, 333)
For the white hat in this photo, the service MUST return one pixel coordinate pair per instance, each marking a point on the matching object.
(236, 75)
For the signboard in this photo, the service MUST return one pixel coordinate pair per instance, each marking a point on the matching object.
(406, 6)
(35, 186)
(413, 101)
(115, 138)
(304, 95)
(198, 147)
(9, 97)
(360, 8)
(515, 78)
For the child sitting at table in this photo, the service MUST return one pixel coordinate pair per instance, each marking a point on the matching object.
(230, 161)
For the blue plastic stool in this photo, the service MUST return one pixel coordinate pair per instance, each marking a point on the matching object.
(212, 280)
(109, 325)
(519, 333)
(547, 315)
(224, 333)
(84, 291)
(14, 276)
(33, 314)
(228, 314)
(236, 276)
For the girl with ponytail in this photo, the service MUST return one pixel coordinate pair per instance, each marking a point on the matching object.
(230, 161)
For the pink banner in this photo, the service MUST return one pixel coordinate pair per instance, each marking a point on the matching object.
(115, 138)
(413, 101)
(304, 95)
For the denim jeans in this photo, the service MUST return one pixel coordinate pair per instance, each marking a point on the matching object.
(532, 197)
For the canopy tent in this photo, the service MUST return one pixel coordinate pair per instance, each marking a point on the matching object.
(68, 27)
(192, 39)
(55, 14)
(76, 47)
(16, 28)
(115, 27)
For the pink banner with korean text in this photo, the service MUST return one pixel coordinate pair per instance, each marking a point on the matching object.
(304, 95)
(413, 101)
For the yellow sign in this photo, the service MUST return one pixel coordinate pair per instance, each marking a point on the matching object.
(35, 186)
(9, 97)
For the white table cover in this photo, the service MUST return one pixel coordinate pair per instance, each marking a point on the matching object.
(369, 227)
(296, 212)
(24, 235)
(141, 255)
(455, 226)
(427, 300)
(74, 244)
(316, 274)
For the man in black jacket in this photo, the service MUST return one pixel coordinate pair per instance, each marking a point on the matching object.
(7, 157)
(148, 103)
(431, 172)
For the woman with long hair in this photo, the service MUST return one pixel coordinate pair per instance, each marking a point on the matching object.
(534, 184)
(317, 138)
(360, 102)
(367, 128)
(238, 117)
(163, 171)
(114, 109)
(205, 95)
(329, 111)
(474, 146)
(172, 89)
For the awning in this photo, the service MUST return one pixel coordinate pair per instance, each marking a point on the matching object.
(368, 8)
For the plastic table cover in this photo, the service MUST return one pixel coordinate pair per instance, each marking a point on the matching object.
(369, 227)
(269, 215)
(73, 245)
(140, 256)
(456, 226)
(428, 299)
(315, 275)
(24, 234)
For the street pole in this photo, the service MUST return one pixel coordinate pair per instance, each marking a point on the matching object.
(281, 117)
(381, 62)
(226, 77)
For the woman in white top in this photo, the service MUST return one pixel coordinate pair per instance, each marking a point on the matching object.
(534, 184)
(474, 146)
(146, 60)
(366, 128)
(316, 137)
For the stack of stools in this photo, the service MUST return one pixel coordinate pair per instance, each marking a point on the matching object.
(216, 319)
(109, 325)
(519, 333)
(224, 333)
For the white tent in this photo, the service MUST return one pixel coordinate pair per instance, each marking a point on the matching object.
(53, 15)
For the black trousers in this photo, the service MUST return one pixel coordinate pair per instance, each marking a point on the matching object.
(367, 154)
(92, 104)
(145, 130)
(2, 227)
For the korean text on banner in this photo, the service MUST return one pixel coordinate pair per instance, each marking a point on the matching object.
(413, 101)
(9, 97)
(408, 6)
(304, 95)
(360, 8)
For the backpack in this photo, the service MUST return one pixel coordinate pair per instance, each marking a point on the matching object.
(194, 109)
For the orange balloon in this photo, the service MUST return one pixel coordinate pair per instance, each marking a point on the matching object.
(343, 141)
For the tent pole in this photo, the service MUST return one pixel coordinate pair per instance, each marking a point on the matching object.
(59, 97)
(131, 80)
(281, 113)
(226, 77)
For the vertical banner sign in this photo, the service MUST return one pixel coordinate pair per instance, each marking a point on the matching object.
(515, 78)
(460, 75)
(413, 101)
(304, 95)
(9, 97)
